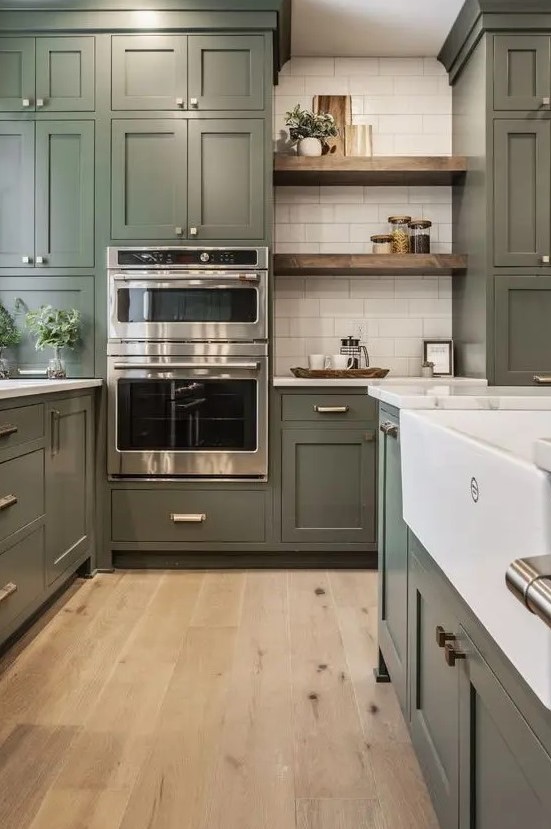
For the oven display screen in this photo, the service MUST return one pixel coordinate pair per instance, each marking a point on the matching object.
(187, 257)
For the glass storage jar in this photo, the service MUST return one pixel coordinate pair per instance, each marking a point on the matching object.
(399, 230)
(419, 239)
(382, 243)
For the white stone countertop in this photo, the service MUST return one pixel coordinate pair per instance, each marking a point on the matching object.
(542, 454)
(25, 388)
(462, 396)
(413, 382)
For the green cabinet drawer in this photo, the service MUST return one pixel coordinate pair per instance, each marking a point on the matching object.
(21, 425)
(21, 577)
(21, 492)
(182, 516)
(324, 408)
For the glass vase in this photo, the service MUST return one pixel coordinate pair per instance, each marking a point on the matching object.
(4, 366)
(56, 367)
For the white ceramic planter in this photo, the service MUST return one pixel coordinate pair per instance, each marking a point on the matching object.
(310, 147)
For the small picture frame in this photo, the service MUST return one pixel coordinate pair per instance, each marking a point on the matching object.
(439, 352)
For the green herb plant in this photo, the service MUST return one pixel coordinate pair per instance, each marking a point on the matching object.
(54, 328)
(9, 334)
(305, 124)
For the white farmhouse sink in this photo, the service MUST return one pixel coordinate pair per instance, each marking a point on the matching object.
(476, 501)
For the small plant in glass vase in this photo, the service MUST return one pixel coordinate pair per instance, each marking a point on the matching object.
(9, 336)
(57, 329)
(310, 130)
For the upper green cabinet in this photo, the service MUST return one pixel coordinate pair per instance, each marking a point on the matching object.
(47, 194)
(47, 74)
(175, 72)
(522, 72)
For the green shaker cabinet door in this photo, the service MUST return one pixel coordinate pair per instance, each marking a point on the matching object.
(434, 690)
(505, 771)
(393, 560)
(65, 193)
(226, 72)
(522, 329)
(16, 74)
(522, 71)
(328, 486)
(16, 194)
(522, 192)
(226, 179)
(149, 179)
(65, 74)
(149, 72)
(69, 483)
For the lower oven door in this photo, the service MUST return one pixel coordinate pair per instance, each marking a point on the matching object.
(193, 417)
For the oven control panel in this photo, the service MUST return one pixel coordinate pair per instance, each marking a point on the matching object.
(187, 257)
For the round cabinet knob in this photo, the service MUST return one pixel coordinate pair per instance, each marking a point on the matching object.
(193, 231)
(39, 103)
(204, 257)
(26, 102)
(180, 103)
(194, 102)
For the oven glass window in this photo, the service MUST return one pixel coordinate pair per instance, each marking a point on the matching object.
(194, 415)
(159, 305)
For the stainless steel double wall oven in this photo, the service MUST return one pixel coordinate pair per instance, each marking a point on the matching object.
(188, 362)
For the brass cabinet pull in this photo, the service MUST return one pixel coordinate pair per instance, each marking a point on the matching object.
(390, 429)
(188, 518)
(332, 409)
(7, 430)
(54, 431)
(542, 379)
(7, 501)
(7, 591)
(442, 637)
(452, 655)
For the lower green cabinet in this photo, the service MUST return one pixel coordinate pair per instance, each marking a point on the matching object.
(69, 483)
(328, 485)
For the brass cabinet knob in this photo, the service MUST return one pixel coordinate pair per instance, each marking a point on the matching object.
(8, 590)
(442, 637)
(452, 655)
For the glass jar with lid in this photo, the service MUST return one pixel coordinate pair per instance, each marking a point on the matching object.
(399, 230)
(382, 243)
(419, 240)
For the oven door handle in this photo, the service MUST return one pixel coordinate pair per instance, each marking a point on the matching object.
(170, 366)
(176, 278)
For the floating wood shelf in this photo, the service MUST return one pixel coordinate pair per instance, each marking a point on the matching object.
(336, 264)
(391, 170)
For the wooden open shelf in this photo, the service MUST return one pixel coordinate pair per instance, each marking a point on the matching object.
(391, 170)
(336, 264)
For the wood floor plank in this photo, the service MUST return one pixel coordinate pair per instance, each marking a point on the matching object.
(403, 796)
(221, 600)
(81, 809)
(171, 790)
(354, 588)
(380, 713)
(331, 759)
(252, 782)
(340, 814)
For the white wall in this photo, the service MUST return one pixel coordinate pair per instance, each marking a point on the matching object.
(408, 102)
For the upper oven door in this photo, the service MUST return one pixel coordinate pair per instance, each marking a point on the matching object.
(199, 306)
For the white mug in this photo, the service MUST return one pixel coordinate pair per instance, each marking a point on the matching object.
(316, 362)
(339, 362)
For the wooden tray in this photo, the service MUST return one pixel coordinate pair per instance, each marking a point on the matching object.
(340, 374)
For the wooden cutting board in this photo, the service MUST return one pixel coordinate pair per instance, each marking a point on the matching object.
(340, 107)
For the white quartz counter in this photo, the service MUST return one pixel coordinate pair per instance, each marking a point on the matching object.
(25, 388)
(462, 396)
(409, 382)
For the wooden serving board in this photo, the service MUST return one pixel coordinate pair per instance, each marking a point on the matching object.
(340, 107)
(340, 374)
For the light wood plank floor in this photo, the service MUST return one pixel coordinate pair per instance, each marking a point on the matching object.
(241, 700)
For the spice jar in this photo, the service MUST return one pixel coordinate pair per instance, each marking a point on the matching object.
(419, 241)
(399, 230)
(382, 243)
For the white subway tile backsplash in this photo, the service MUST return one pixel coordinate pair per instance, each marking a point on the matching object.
(408, 103)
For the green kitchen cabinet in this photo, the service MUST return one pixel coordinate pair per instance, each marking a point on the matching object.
(65, 194)
(522, 214)
(434, 690)
(226, 72)
(16, 192)
(393, 559)
(328, 485)
(47, 74)
(149, 179)
(523, 343)
(226, 179)
(505, 773)
(522, 71)
(69, 483)
(177, 72)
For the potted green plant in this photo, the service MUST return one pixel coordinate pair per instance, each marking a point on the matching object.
(57, 329)
(9, 336)
(310, 130)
